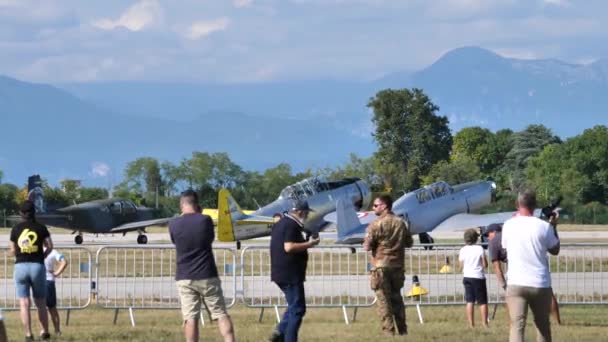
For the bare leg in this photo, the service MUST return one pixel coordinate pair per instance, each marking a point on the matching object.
(470, 315)
(43, 316)
(191, 330)
(483, 309)
(226, 329)
(555, 310)
(24, 309)
(55, 319)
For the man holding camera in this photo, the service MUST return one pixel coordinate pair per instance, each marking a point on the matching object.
(527, 239)
(288, 260)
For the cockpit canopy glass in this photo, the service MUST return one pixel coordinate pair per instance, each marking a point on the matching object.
(311, 186)
(435, 190)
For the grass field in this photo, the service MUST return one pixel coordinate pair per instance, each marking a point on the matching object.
(441, 323)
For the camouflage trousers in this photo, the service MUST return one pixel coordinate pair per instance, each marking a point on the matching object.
(387, 284)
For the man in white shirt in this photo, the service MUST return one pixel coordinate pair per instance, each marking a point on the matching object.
(51, 296)
(527, 240)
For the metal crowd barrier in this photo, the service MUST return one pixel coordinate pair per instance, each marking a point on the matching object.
(336, 277)
(73, 286)
(579, 275)
(143, 277)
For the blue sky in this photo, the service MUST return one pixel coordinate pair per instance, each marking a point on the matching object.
(269, 40)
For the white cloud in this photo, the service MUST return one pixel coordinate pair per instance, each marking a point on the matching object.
(201, 29)
(242, 3)
(139, 16)
(99, 169)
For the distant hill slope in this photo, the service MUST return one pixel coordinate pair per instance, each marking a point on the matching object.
(58, 135)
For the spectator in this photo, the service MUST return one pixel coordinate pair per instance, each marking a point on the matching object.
(527, 239)
(51, 294)
(28, 238)
(196, 273)
(288, 259)
(385, 238)
(473, 262)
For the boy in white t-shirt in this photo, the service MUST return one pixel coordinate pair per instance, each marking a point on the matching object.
(51, 296)
(473, 262)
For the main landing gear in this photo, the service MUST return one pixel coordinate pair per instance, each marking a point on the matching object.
(425, 238)
(78, 239)
(142, 239)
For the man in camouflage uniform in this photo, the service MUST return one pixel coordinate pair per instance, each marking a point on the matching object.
(386, 239)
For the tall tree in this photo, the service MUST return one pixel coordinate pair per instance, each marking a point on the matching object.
(457, 171)
(527, 144)
(143, 175)
(475, 144)
(410, 135)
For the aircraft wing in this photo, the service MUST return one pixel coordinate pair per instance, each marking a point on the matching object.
(464, 221)
(131, 226)
(213, 213)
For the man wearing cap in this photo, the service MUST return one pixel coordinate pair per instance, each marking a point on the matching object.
(386, 239)
(30, 243)
(498, 255)
(288, 260)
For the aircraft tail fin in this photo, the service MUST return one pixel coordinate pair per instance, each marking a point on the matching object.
(228, 212)
(348, 225)
(235, 224)
(35, 193)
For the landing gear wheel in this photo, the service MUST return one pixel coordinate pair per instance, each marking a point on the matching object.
(426, 239)
(142, 239)
(78, 239)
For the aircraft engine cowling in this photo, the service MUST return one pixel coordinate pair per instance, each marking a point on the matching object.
(365, 195)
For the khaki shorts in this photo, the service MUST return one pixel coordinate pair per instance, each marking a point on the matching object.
(208, 292)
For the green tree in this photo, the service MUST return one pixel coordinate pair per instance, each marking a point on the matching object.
(364, 168)
(457, 171)
(474, 143)
(91, 194)
(526, 144)
(8, 198)
(410, 135)
(71, 189)
(143, 175)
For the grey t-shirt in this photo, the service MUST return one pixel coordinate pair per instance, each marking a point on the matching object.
(497, 253)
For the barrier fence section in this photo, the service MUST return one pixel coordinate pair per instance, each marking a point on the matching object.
(579, 275)
(336, 276)
(73, 287)
(143, 277)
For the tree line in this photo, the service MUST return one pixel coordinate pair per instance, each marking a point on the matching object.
(415, 148)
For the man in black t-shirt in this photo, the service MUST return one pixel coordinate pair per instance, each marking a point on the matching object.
(28, 239)
(288, 259)
(196, 273)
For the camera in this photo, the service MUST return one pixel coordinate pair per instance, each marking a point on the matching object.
(548, 211)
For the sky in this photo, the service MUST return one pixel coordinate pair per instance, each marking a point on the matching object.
(237, 41)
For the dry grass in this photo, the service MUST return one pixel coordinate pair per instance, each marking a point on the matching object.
(441, 323)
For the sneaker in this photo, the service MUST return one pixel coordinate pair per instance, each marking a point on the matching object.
(45, 336)
(276, 336)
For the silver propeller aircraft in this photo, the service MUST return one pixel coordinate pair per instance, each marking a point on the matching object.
(435, 207)
(233, 224)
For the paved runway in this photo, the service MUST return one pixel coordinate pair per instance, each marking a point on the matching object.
(154, 238)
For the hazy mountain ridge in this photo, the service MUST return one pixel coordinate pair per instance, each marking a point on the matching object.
(61, 131)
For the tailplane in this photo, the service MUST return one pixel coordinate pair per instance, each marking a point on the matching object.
(35, 193)
(235, 224)
(349, 228)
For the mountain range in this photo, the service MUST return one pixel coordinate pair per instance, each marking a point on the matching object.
(62, 130)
